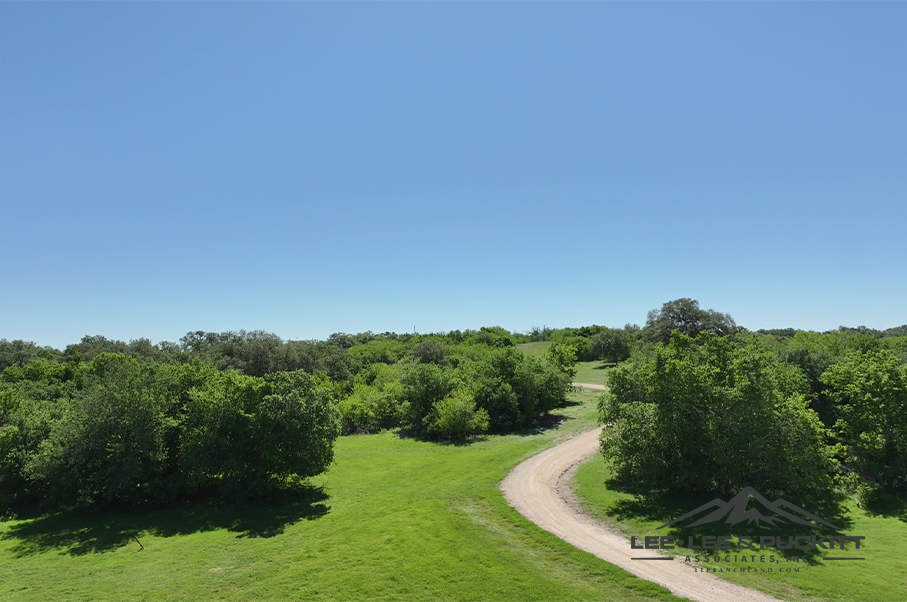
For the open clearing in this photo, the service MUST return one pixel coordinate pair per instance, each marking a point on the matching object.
(586, 372)
(393, 519)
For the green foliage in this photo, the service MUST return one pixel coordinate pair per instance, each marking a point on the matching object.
(374, 406)
(19, 353)
(869, 392)
(515, 389)
(686, 316)
(295, 425)
(456, 417)
(217, 442)
(611, 345)
(423, 386)
(493, 336)
(378, 351)
(117, 431)
(709, 414)
(509, 389)
(563, 357)
(246, 435)
(109, 444)
(430, 351)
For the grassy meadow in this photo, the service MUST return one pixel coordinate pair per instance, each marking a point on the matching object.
(586, 372)
(882, 577)
(392, 519)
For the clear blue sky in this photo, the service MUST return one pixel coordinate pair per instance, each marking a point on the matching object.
(310, 168)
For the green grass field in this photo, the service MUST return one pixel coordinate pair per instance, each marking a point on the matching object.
(882, 577)
(393, 519)
(586, 372)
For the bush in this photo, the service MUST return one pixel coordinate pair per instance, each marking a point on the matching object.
(563, 357)
(430, 352)
(244, 434)
(371, 408)
(515, 389)
(423, 386)
(456, 417)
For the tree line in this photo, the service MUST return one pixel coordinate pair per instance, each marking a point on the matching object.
(696, 402)
(239, 414)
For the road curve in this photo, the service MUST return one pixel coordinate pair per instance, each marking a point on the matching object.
(539, 490)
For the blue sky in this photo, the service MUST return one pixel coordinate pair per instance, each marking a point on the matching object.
(310, 168)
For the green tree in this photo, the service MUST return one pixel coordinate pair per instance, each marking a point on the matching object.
(611, 345)
(869, 393)
(686, 316)
(563, 357)
(109, 444)
(456, 417)
(423, 386)
(709, 414)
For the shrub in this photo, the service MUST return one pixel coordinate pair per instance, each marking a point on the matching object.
(371, 408)
(423, 386)
(563, 357)
(456, 417)
(515, 388)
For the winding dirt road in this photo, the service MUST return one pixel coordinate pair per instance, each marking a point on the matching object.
(539, 489)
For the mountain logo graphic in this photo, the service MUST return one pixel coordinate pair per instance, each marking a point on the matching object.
(779, 511)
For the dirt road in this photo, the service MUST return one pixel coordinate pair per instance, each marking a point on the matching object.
(539, 489)
(590, 386)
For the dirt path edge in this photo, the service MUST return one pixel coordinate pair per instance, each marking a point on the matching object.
(538, 488)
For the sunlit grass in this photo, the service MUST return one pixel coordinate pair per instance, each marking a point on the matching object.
(393, 519)
(882, 577)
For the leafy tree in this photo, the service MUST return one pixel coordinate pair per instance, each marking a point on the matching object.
(19, 353)
(378, 351)
(869, 392)
(493, 336)
(515, 389)
(456, 417)
(296, 425)
(429, 351)
(611, 345)
(563, 357)
(108, 446)
(372, 407)
(423, 386)
(686, 316)
(709, 414)
(217, 443)
(245, 435)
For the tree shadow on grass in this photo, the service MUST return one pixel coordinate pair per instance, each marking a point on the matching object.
(544, 423)
(570, 404)
(888, 506)
(662, 506)
(90, 531)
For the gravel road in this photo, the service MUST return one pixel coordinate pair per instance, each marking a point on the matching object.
(539, 489)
